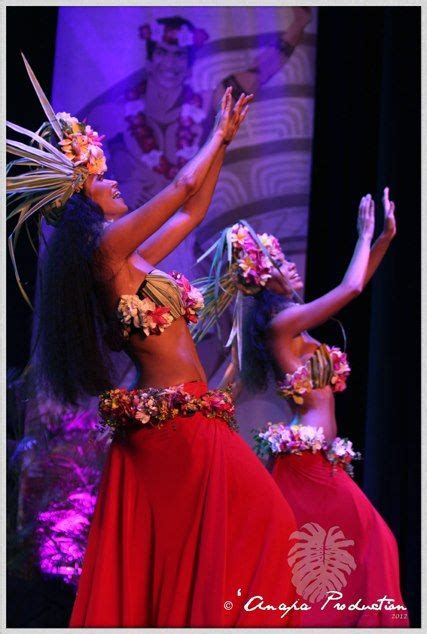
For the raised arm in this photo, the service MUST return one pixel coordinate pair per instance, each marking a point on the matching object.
(196, 206)
(295, 319)
(382, 243)
(175, 230)
(124, 236)
(272, 59)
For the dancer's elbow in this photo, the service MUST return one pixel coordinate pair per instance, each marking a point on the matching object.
(187, 183)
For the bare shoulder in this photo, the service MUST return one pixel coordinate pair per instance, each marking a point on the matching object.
(286, 348)
(278, 333)
(125, 275)
(280, 322)
(133, 272)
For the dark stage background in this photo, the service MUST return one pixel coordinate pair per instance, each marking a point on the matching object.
(367, 135)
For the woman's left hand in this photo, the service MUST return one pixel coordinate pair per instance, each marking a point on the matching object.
(389, 229)
(228, 120)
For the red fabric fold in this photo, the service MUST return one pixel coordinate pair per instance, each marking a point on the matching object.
(330, 498)
(186, 516)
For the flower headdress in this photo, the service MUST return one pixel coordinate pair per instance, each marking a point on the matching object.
(243, 262)
(180, 36)
(51, 174)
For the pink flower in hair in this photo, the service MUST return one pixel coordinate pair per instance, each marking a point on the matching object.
(254, 262)
(82, 145)
(93, 136)
(185, 37)
(200, 36)
(97, 165)
(157, 31)
(247, 265)
(239, 234)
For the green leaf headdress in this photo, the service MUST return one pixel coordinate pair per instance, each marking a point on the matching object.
(48, 175)
(242, 263)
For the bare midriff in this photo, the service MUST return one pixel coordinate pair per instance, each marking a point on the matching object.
(318, 409)
(167, 359)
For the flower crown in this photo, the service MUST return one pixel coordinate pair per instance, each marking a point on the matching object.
(254, 264)
(249, 259)
(53, 174)
(181, 36)
(81, 144)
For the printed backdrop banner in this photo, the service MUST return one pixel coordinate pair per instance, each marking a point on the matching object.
(156, 108)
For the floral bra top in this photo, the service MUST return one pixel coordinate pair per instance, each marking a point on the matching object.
(159, 300)
(327, 366)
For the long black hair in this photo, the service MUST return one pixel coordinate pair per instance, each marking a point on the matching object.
(258, 365)
(70, 358)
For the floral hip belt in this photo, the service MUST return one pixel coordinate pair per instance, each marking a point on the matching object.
(280, 439)
(121, 408)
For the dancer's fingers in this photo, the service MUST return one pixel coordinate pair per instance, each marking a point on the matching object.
(244, 113)
(228, 100)
(224, 97)
(239, 104)
(386, 193)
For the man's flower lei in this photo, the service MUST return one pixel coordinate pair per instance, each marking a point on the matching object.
(192, 113)
(282, 439)
(188, 133)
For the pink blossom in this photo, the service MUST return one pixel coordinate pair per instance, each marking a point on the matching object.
(200, 36)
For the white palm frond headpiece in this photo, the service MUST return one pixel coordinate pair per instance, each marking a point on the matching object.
(48, 175)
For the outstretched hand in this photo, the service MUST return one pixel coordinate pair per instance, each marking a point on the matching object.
(389, 229)
(366, 217)
(229, 119)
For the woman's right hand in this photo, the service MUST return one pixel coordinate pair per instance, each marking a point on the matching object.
(228, 120)
(389, 229)
(366, 217)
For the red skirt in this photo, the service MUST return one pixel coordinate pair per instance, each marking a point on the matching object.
(343, 547)
(187, 527)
